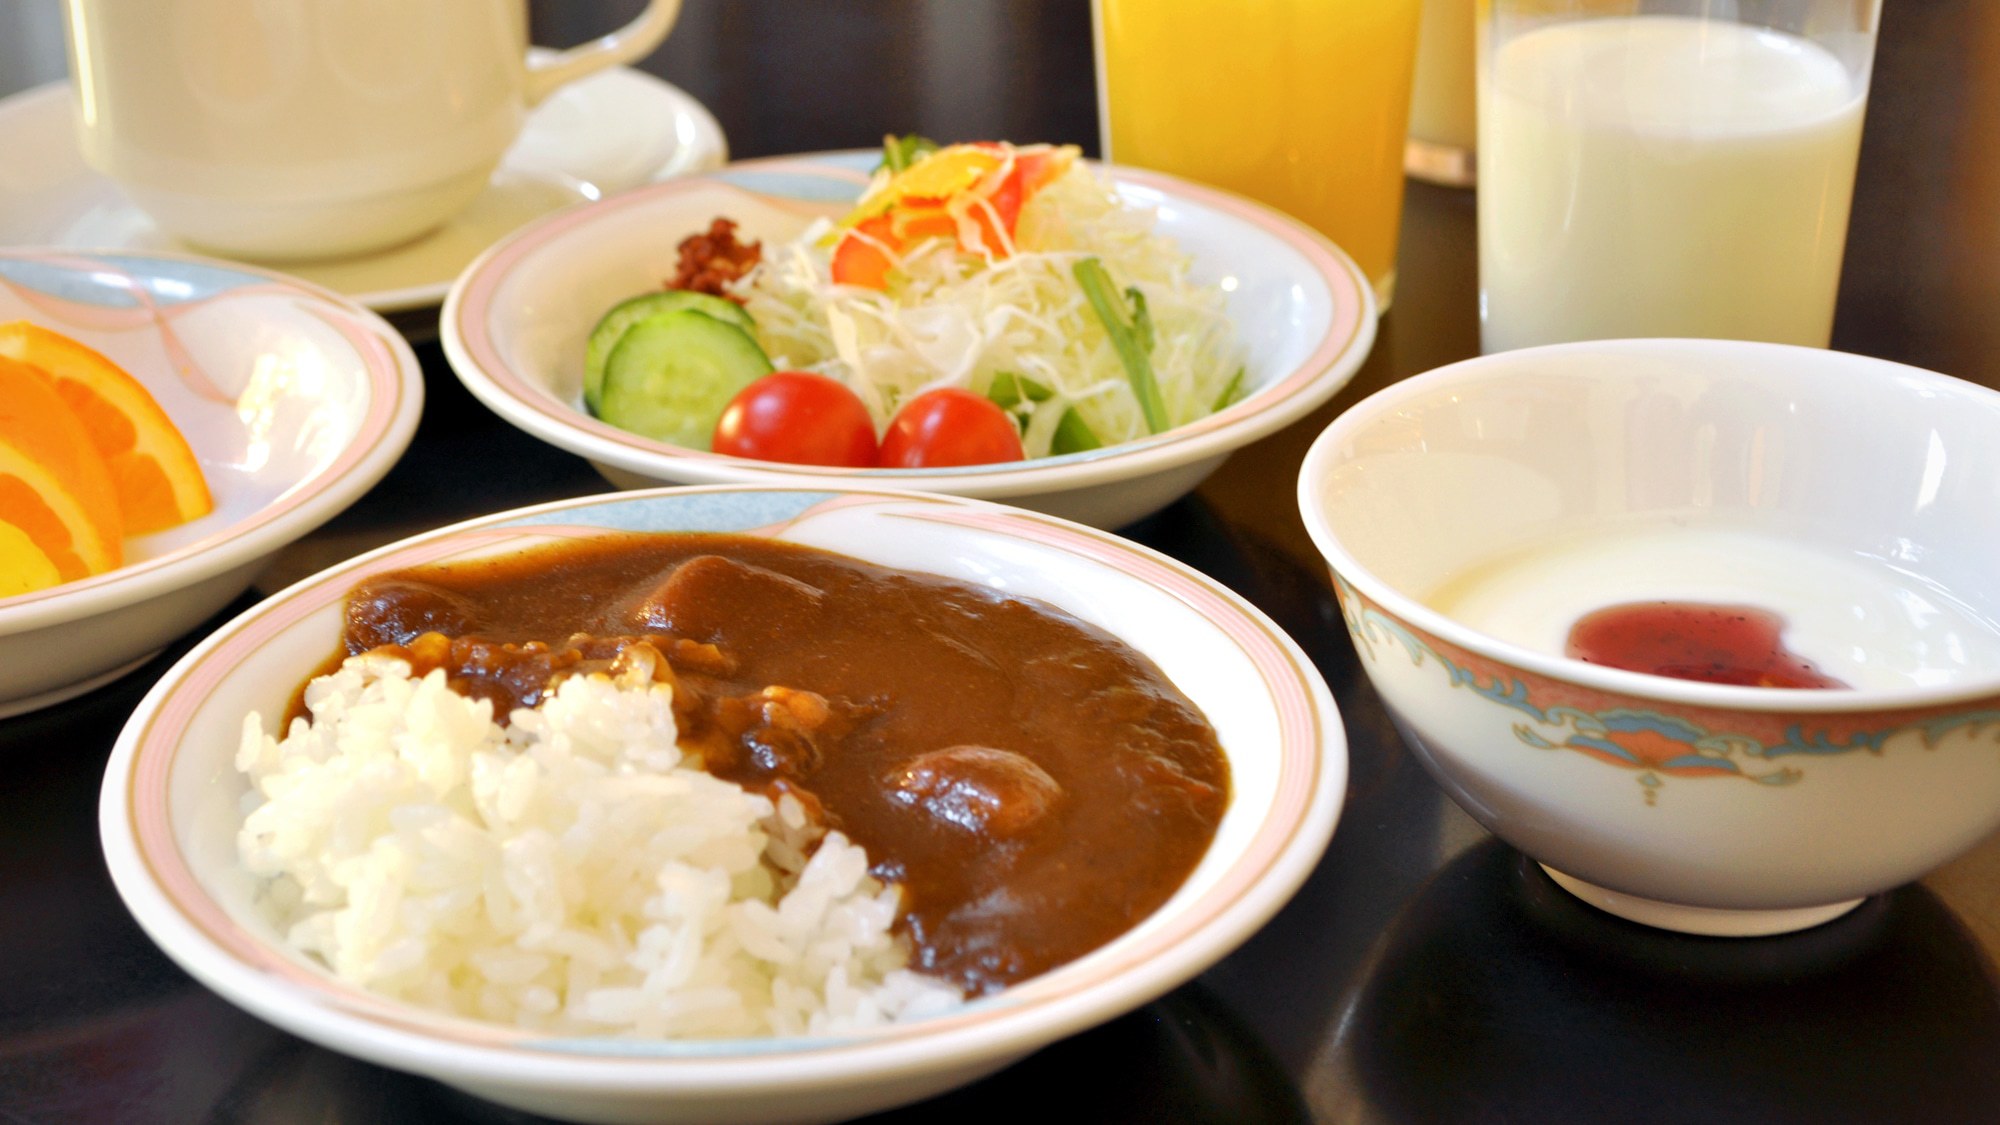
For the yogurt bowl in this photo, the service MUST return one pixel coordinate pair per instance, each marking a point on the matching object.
(1472, 515)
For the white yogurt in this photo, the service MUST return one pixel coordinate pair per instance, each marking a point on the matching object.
(1856, 619)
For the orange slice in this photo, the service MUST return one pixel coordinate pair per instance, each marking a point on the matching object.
(158, 481)
(24, 566)
(54, 487)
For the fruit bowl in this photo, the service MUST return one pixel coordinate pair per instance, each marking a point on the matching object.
(293, 400)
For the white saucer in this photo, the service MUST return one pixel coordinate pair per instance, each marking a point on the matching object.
(611, 131)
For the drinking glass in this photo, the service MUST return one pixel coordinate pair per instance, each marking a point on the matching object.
(1302, 104)
(1443, 102)
(1667, 167)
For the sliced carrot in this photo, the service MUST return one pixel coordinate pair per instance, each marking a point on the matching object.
(860, 258)
(916, 205)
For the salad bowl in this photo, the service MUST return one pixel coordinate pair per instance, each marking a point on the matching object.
(516, 322)
(294, 401)
(170, 812)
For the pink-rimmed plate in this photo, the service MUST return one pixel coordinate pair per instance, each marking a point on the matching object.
(515, 323)
(169, 812)
(295, 401)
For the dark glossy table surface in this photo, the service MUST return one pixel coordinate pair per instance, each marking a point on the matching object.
(1425, 972)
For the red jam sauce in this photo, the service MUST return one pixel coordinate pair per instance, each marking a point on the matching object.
(1716, 644)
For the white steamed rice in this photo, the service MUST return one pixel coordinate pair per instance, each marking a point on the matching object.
(570, 873)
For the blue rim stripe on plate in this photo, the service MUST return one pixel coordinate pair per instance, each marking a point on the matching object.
(692, 512)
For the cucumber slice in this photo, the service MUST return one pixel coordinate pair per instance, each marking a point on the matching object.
(623, 315)
(671, 374)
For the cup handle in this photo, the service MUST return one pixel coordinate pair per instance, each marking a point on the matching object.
(632, 41)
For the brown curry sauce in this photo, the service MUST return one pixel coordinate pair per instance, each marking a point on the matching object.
(1034, 784)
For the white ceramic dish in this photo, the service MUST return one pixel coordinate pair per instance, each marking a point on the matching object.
(515, 323)
(169, 814)
(1858, 498)
(599, 135)
(295, 401)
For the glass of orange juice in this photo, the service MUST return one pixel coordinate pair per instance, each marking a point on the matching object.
(1301, 104)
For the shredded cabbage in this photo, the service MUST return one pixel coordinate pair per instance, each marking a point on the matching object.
(958, 319)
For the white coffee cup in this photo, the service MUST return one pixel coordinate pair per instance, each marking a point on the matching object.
(296, 129)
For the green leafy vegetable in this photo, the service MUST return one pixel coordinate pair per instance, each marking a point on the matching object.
(1131, 330)
(1072, 433)
(1229, 392)
(899, 153)
(1009, 389)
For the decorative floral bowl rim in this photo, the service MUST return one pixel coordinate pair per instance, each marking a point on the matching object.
(1654, 739)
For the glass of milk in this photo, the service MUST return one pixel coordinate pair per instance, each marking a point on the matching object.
(1667, 167)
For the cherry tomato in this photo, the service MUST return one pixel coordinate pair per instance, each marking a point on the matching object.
(949, 426)
(799, 418)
